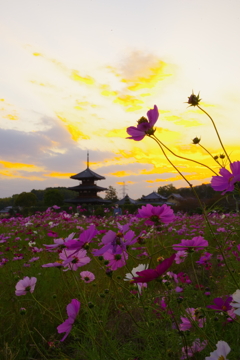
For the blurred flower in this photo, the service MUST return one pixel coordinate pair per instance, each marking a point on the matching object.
(236, 303)
(151, 274)
(221, 304)
(180, 256)
(162, 213)
(193, 315)
(220, 354)
(197, 243)
(197, 346)
(226, 181)
(25, 285)
(145, 126)
(72, 311)
(87, 276)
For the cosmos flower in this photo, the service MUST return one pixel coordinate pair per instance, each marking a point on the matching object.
(193, 315)
(130, 276)
(145, 126)
(236, 303)
(72, 311)
(162, 213)
(226, 181)
(87, 276)
(197, 243)
(196, 346)
(151, 274)
(26, 285)
(73, 260)
(222, 350)
(221, 304)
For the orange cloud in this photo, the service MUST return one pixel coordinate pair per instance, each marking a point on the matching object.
(19, 166)
(157, 72)
(86, 80)
(11, 117)
(122, 173)
(73, 129)
(59, 175)
(126, 182)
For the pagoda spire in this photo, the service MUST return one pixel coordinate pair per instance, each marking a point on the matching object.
(88, 159)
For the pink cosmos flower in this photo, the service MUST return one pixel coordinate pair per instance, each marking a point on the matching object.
(87, 276)
(115, 260)
(145, 126)
(197, 243)
(192, 316)
(73, 260)
(226, 181)
(150, 274)
(85, 237)
(180, 256)
(197, 346)
(25, 285)
(221, 353)
(163, 213)
(72, 311)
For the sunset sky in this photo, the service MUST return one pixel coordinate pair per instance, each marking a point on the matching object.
(75, 74)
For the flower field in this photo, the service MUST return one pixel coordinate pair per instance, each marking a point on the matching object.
(153, 285)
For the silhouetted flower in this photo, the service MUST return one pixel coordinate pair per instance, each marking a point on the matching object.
(145, 126)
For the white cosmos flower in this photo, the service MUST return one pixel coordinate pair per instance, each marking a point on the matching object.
(236, 304)
(130, 276)
(221, 353)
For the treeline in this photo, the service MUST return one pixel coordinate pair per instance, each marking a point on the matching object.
(39, 197)
(204, 191)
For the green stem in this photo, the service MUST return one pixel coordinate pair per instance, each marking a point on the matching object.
(182, 157)
(219, 138)
(210, 154)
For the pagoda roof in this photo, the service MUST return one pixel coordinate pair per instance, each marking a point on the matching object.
(87, 187)
(154, 195)
(87, 174)
(126, 199)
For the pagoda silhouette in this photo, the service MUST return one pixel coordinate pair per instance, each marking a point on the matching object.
(87, 189)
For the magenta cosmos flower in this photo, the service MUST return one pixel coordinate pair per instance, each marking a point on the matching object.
(72, 311)
(223, 349)
(221, 304)
(150, 274)
(26, 285)
(145, 126)
(187, 322)
(197, 243)
(226, 181)
(163, 213)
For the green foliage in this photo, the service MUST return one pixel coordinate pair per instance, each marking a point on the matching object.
(53, 197)
(26, 199)
(111, 194)
(167, 190)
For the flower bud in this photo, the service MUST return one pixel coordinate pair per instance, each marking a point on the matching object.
(196, 140)
(194, 100)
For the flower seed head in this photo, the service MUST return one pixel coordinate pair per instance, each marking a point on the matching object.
(194, 100)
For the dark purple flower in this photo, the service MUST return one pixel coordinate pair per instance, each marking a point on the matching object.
(145, 126)
(226, 181)
(221, 304)
(151, 274)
